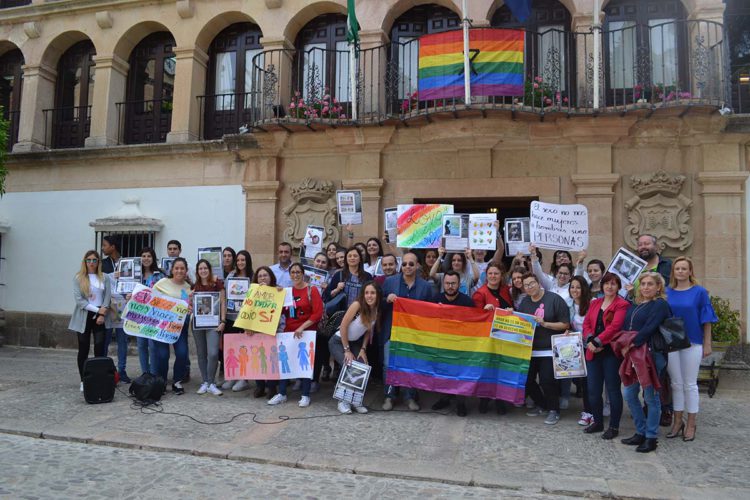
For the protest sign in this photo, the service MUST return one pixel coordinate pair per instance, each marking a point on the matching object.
(261, 309)
(129, 274)
(517, 236)
(559, 227)
(568, 356)
(349, 204)
(313, 240)
(513, 327)
(628, 266)
(315, 276)
(482, 231)
(152, 315)
(237, 289)
(206, 309)
(421, 226)
(455, 232)
(166, 264)
(390, 216)
(352, 383)
(263, 357)
(214, 257)
(117, 306)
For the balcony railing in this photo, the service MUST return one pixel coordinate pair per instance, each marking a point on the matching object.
(67, 127)
(741, 90)
(13, 118)
(678, 63)
(224, 114)
(144, 122)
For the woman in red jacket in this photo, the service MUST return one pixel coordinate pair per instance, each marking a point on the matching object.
(602, 324)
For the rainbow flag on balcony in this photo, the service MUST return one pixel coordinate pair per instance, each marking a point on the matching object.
(496, 57)
(448, 349)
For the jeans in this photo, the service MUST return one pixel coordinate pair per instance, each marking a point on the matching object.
(545, 393)
(84, 341)
(144, 353)
(646, 425)
(336, 347)
(605, 369)
(122, 349)
(683, 369)
(161, 366)
(305, 386)
(207, 347)
(390, 390)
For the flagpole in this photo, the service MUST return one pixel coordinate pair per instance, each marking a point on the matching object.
(353, 79)
(597, 29)
(467, 66)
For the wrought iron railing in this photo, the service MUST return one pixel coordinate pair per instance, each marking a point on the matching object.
(66, 127)
(641, 66)
(13, 118)
(741, 90)
(144, 122)
(222, 114)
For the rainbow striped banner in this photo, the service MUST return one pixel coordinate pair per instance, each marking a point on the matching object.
(496, 62)
(448, 349)
(421, 226)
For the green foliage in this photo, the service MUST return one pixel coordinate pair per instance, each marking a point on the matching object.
(3, 148)
(728, 327)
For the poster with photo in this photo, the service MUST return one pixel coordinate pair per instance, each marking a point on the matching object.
(315, 276)
(166, 264)
(352, 383)
(628, 266)
(129, 274)
(214, 257)
(517, 236)
(236, 291)
(568, 355)
(390, 216)
(313, 241)
(455, 232)
(206, 309)
(117, 306)
(482, 231)
(349, 204)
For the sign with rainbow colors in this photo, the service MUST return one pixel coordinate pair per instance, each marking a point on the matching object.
(496, 59)
(421, 226)
(513, 327)
(448, 349)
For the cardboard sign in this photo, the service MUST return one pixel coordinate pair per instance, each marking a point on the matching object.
(352, 383)
(455, 232)
(568, 355)
(513, 327)
(261, 310)
(349, 204)
(482, 231)
(263, 357)
(152, 315)
(421, 226)
(517, 236)
(214, 257)
(559, 227)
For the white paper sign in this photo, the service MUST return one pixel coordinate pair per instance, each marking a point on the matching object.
(482, 231)
(559, 227)
(455, 232)
(517, 236)
(349, 204)
(628, 266)
(391, 224)
(313, 240)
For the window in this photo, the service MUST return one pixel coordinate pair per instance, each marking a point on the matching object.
(737, 22)
(6, 4)
(642, 44)
(230, 79)
(148, 107)
(71, 117)
(405, 33)
(549, 44)
(131, 242)
(11, 84)
(322, 59)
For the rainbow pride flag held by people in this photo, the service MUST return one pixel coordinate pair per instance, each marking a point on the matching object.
(448, 349)
(496, 63)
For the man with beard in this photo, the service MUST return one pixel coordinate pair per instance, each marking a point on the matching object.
(389, 265)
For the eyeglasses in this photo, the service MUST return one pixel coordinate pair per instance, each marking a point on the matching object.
(92, 261)
(295, 272)
(530, 285)
(447, 284)
(408, 264)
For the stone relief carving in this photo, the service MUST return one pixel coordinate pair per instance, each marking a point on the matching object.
(314, 204)
(658, 208)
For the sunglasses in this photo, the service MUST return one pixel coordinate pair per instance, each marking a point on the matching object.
(92, 261)
(408, 264)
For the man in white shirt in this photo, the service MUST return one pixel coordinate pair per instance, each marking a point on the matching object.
(281, 269)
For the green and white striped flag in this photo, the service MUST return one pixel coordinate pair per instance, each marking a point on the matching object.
(352, 26)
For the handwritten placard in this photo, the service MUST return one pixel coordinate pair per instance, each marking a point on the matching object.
(482, 231)
(421, 226)
(263, 357)
(559, 227)
(154, 316)
(513, 327)
(261, 310)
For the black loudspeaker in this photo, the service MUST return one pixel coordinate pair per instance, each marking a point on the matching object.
(99, 380)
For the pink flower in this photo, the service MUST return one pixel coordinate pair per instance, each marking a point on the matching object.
(536, 85)
(292, 106)
(297, 93)
(547, 100)
(538, 79)
(565, 100)
(342, 116)
(326, 97)
(335, 101)
(325, 110)
(557, 96)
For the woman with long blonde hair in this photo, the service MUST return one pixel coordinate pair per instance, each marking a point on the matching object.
(92, 292)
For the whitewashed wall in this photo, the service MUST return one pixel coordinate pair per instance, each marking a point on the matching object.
(50, 232)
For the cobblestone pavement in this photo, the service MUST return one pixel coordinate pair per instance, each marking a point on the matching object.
(511, 454)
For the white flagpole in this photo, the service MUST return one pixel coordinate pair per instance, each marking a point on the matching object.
(467, 66)
(353, 79)
(597, 29)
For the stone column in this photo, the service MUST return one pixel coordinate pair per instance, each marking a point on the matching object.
(260, 218)
(371, 210)
(111, 75)
(38, 94)
(190, 82)
(725, 256)
(596, 192)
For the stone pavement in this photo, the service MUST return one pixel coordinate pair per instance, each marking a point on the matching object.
(511, 455)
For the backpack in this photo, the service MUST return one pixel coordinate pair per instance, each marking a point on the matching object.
(148, 388)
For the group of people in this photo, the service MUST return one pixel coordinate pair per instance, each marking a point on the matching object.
(364, 281)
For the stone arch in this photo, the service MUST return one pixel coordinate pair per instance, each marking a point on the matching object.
(133, 35)
(402, 6)
(568, 4)
(688, 4)
(215, 26)
(62, 42)
(7, 46)
(310, 12)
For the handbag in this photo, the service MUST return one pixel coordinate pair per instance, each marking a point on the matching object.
(331, 324)
(672, 336)
(338, 303)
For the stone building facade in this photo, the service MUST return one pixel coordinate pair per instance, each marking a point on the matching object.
(148, 127)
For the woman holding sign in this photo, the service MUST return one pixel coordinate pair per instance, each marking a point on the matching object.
(176, 286)
(264, 276)
(243, 268)
(304, 315)
(463, 264)
(150, 276)
(348, 281)
(207, 339)
(92, 292)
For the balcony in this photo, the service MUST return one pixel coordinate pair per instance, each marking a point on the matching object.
(741, 90)
(144, 122)
(223, 114)
(678, 64)
(67, 127)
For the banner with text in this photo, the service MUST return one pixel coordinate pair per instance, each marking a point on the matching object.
(261, 310)
(559, 227)
(152, 315)
(421, 226)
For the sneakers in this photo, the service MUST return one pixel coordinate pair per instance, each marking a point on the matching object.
(564, 403)
(178, 389)
(124, 378)
(344, 407)
(314, 387)
(361, 409)
(552, 417)
(387, 404)
(240, 385)
(304, 402)
(214, 390)
(535, 412)
(203, 388)
(228, 384)
(413, 405)
(530, 403)
(586, 418)
(277, 400)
